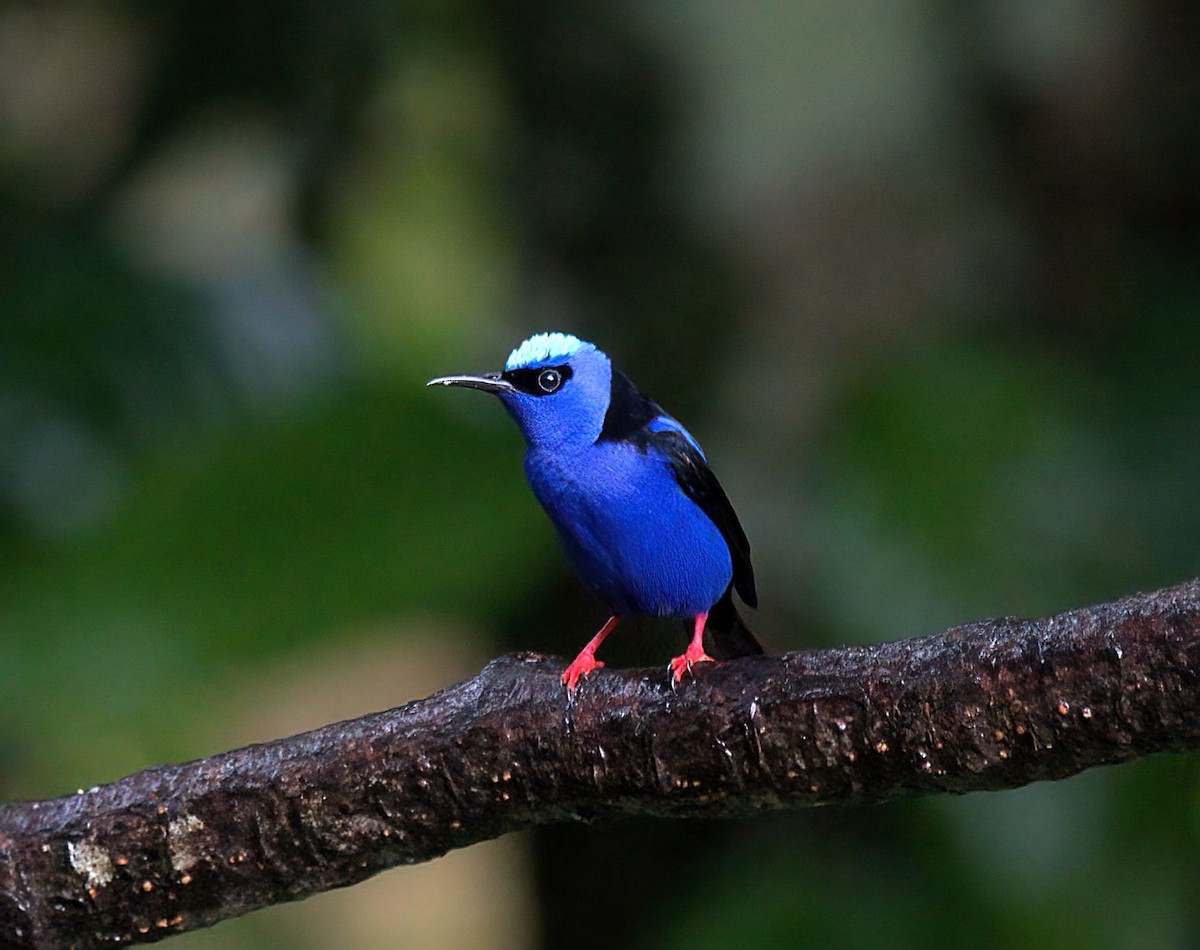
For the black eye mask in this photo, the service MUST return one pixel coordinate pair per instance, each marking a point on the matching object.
(538, 382)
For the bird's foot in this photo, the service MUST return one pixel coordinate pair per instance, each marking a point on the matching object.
(583, 664)
(580, 667)
(684, 663)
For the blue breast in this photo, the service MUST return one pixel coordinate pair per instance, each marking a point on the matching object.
(629, 531)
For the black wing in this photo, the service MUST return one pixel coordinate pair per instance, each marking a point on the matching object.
(629, 418)
(701, 485)
(629, 412)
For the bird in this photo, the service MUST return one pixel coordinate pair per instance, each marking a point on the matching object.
(638, 512)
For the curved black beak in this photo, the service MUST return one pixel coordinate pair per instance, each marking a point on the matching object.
(488, 382)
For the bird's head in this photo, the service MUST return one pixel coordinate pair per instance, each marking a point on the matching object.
(554, 385)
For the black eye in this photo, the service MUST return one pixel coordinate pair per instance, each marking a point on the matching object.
(549, 380)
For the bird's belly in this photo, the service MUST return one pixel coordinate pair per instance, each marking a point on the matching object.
(631, 533)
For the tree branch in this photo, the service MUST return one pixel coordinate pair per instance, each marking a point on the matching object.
(990, 705)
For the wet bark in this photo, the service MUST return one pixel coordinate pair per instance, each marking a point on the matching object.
(990, 705)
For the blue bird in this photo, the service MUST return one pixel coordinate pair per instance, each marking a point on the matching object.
(639, 514)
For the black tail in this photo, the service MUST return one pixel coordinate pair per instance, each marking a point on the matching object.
(725, 636)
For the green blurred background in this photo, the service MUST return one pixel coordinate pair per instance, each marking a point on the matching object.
(924, 278)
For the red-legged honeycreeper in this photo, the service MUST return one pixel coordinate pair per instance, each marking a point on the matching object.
(640, 515)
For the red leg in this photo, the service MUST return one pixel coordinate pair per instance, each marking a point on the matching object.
(694, 653)
(583, 664)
